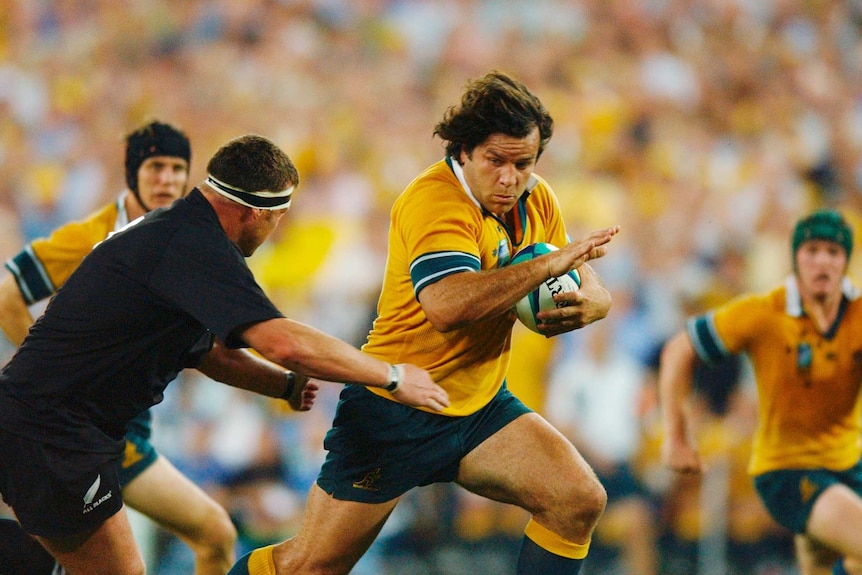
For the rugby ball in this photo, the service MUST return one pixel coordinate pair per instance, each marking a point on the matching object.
(541, 298)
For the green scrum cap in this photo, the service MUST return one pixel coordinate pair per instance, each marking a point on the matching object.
(827, 225)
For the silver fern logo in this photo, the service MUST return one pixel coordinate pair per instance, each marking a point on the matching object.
(90, 501)
(91, 492)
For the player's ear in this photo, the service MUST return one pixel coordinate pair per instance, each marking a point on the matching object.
(251, 214)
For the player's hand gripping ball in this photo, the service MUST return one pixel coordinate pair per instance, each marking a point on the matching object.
(541, 298)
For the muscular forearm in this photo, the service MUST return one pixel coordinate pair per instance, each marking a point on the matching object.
(241, 369)
(15, 318)
(302, 348)
(467, 297)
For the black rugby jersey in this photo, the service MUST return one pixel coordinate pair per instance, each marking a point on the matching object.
(145, 304)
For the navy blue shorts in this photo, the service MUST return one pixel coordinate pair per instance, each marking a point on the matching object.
(789, 494)
(57, 492)
(379, 449)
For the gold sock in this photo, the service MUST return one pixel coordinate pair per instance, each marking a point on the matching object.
(260, 562)
(550, 541)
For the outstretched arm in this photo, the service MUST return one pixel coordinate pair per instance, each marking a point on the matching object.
(304, 349)
(242, 369)
(467, 297)
(15, 318)
(674, 381)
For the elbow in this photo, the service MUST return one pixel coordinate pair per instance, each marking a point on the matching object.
(442, 322)
(441, 316)
(275, 340)
(284, 353)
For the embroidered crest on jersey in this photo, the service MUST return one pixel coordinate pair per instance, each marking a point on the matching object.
(503, 254)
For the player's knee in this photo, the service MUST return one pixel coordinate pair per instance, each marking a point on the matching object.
(595, 499)
(586, 503)
(217, 538)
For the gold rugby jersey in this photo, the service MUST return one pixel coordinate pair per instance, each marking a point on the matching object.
(46, 263)
(807, 382)
(437, 228)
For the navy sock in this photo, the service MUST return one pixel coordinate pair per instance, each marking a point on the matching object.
(20, 554)
(534, 560)
(241, 566)
(838, 568)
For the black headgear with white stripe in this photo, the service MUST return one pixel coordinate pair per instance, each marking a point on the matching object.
(154, 139)
(261, 199)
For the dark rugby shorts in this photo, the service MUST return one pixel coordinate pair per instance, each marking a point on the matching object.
(790, 494)
(138, 456)
(379, 449)
(57, 492)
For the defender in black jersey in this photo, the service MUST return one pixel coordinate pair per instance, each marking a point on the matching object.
(168, 292)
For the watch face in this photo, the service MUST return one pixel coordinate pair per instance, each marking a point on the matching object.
(394, 378)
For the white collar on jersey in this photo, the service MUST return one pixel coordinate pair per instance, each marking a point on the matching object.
(793, 303)
(459, 173)
(122, 214)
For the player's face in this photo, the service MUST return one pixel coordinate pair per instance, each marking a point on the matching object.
(258, 229)
(162, 180)
(498, 169)
(820, 267)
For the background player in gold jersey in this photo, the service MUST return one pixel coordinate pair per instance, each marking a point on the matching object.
(157, 162)
(804, 339)
(446, 303)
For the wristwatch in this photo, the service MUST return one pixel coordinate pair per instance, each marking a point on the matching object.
(290, 377)
(396, 373)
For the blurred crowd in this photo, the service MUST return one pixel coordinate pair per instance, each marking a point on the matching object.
(703, 128)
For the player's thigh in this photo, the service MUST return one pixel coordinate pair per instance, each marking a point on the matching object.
(110, 549)
(334, 534)
(173, 501)
(836, 520)
(531, 464)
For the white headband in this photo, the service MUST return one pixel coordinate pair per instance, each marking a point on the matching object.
(262, 200)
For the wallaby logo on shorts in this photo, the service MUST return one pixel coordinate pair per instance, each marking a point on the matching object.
(807, 489)
(369, 482)
(90, 495)
(131, 455)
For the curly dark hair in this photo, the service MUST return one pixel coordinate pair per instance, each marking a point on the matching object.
(493, 104)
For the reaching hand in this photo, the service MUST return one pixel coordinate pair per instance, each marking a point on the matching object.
(681, 456)
(304, 393)
(576, 253)
(417, 389)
